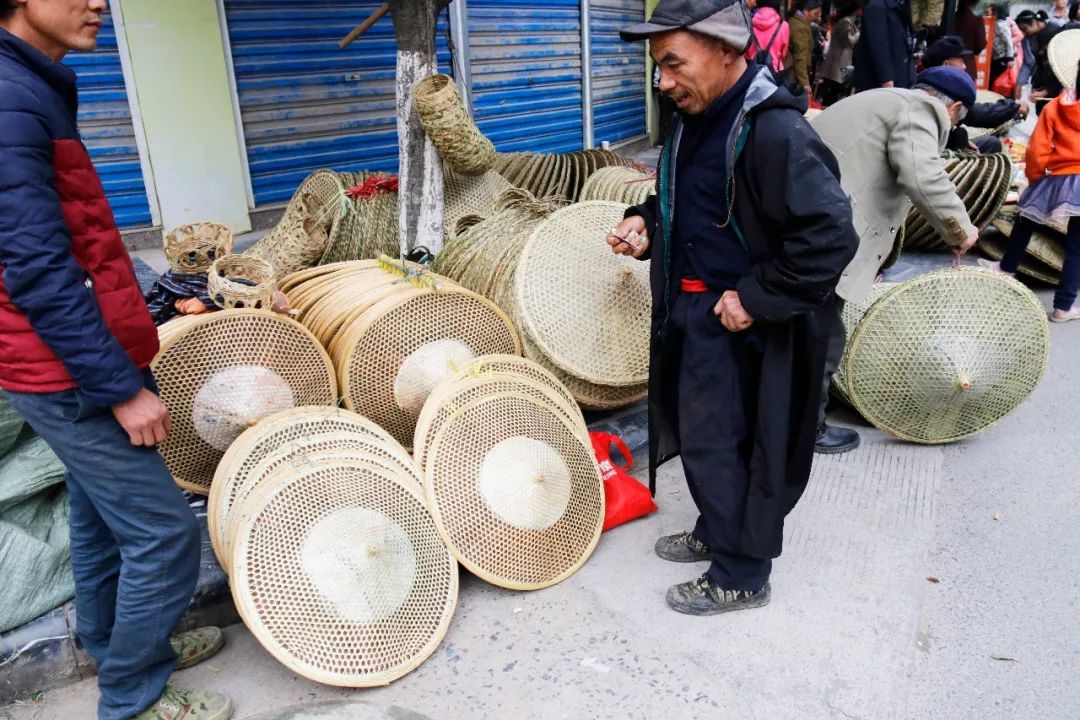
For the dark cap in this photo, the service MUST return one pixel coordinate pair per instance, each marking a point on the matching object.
(947, 47)
(725, 20)
(954, 82)
(1026, 17)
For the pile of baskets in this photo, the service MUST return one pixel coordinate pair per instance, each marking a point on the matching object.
(944, 356)
(982, 181)
(393, 331)
(582, 311)
(627, 185)
(548, 175)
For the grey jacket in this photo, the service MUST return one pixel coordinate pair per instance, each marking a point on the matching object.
(845, 34)
(889, 143)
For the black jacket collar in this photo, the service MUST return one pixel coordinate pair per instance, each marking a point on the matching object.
(59, 77)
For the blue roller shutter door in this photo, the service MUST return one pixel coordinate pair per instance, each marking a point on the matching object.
(305, 103)
(618, 71)
(106, 128)
(526, 73)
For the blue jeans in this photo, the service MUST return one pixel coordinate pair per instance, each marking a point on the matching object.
(134, 546)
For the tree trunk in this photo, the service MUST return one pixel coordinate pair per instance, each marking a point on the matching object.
(420, 193)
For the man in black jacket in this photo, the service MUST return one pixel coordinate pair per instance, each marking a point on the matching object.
(748, 234)
(883, 57)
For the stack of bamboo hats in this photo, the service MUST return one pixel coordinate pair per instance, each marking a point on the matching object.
(335, 563)
(394, 331)
(627, 185)
(982, 182)
(583, 312)
(946, 355)
(989, 96)
(561, 175)
(509, 473)
(221, 373)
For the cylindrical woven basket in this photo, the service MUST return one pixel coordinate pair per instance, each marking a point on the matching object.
(193, 248)
(460, 143)
(239, 282)
(946, 355)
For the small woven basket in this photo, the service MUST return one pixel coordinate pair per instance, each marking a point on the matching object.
(193, 248)
(242, 281)
(462, 146)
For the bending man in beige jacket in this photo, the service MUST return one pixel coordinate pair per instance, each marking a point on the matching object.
(889, 143)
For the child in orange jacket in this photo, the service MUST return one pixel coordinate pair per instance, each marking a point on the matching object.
(1053, 197)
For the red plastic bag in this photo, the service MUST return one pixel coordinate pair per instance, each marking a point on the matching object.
(1005, 84)
(625, 498)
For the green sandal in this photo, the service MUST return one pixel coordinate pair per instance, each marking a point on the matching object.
(179, 704)
(194, 646)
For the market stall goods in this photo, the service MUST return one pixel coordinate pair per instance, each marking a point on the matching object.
(221, 373)
(461, 145)
(946, 355)
(339, 571)
(852, 315)
(627, 185)
(555, 175)
(290, 436)
(513, 487)
(982, 182)
(193, 248)
(393, 331)
(238, 282)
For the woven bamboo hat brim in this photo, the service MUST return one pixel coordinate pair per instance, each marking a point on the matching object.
(589, 395)
(586, 308)
(852, 315)
(986, 96)
(946, 355)
(515, 492)
(459, 391)
(226, 371)
(992, 244)
(391, 358)
(460, 143)
(471, 195)
(194, 247)
(1064, 55)
(286, 435)
(340, 574)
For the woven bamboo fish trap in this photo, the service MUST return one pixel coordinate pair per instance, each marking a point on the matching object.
(511, 482)
(194, 247)
(982, 182)
(562, 175)
(462, 146)
(626, 185)
(946, 355)
(300, 239)
(292, 436)
(221, 373)
(988, 96)
(339, 570)
(575, 265)
(394, 331)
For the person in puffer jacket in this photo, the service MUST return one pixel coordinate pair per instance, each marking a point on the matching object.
(770, 34)
(76, 343)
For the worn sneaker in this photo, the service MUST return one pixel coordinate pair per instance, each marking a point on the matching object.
(179, 704)
(704, 597)
(1060, 316)
(194, 646)
(684, 548)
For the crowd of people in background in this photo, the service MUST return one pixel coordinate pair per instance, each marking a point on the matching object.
(834, 49)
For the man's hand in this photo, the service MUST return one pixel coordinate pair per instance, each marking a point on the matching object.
(731, 312)
(629, 237)
(144, 417)
(1024, 110)
(888, 84)
(969, 242)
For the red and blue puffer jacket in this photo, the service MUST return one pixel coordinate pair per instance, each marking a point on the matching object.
(71, 312)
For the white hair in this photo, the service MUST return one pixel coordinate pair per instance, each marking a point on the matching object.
(937, 94)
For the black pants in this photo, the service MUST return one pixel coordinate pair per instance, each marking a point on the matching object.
(1069, 284)
(837, 342)
(719, 374)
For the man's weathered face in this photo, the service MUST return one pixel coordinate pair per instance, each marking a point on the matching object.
(813, 15)
(693, 71)
(956, 62)
(58, 26)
